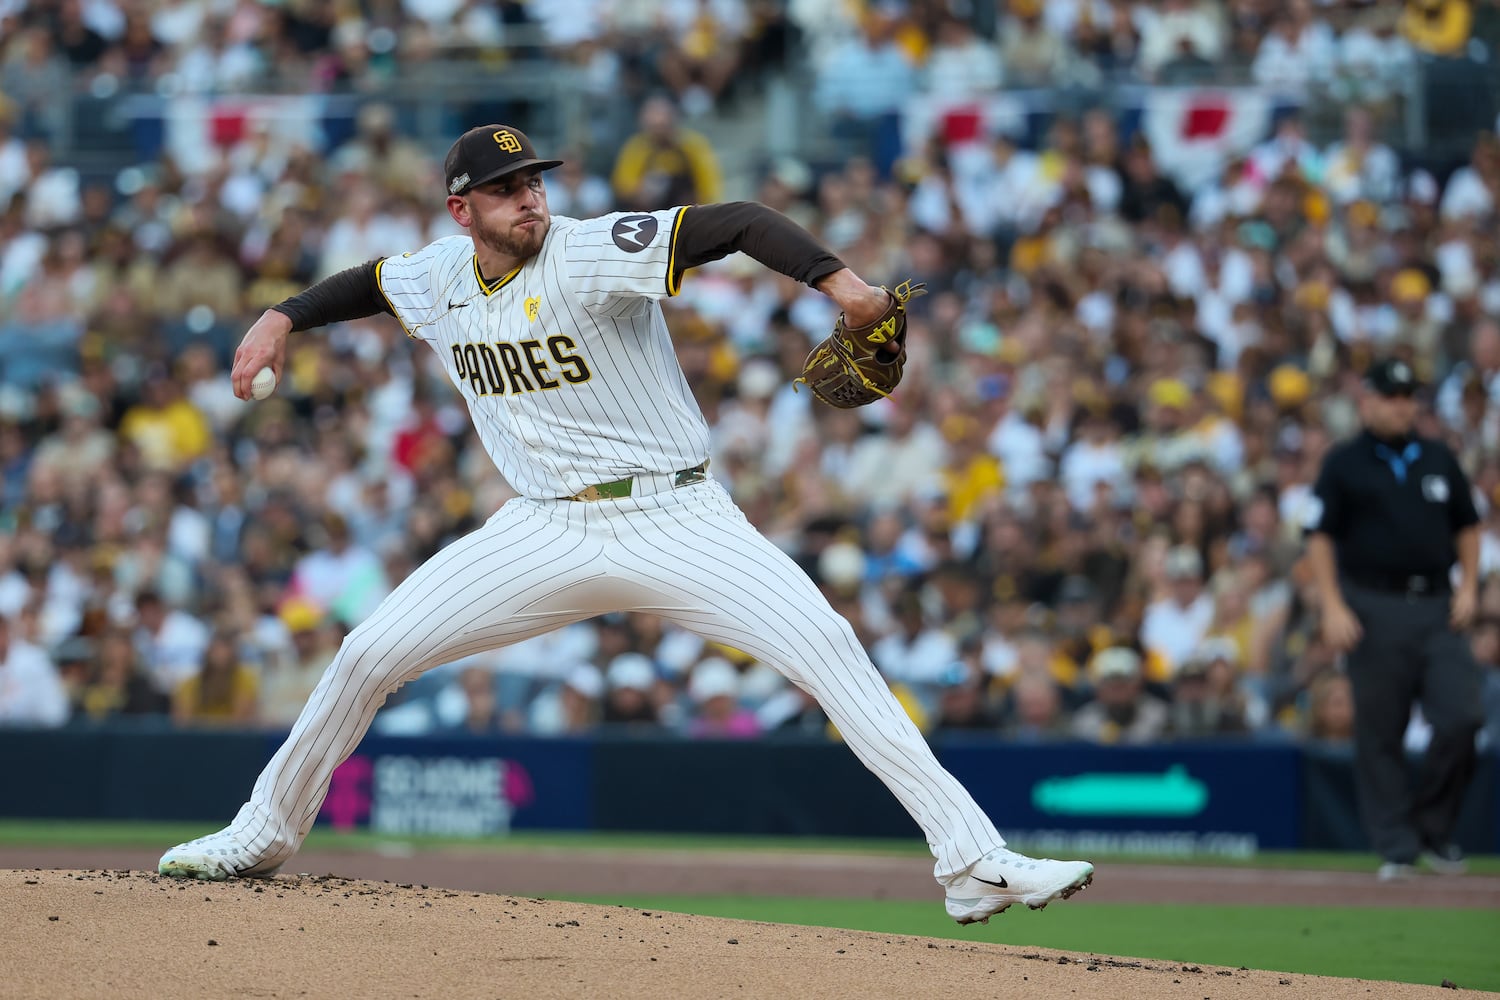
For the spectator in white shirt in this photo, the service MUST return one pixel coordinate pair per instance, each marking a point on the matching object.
(916, 653)
(961, 65)
(1063, 17)
(892, 467)
(1178, 28)
(364, 232)
(1174, 625)
(1471, 191)
(171, 642)
(1289, 147)
(1236, 191)
(1374, 60)
(340, 577)
(176, 23)
(1482, 366)
(933, 205)
(52, 198)
(210, 64)
(1296, 52)
(1013, 438)
(568, 23)
(1359, 166)
(1096, 457)
(1003, 188)
(868, 76)
(31, 692)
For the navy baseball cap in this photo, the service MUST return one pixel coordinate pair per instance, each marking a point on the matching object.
(1392, 377)
(489, 151)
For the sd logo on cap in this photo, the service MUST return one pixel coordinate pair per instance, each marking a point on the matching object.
(485, 153)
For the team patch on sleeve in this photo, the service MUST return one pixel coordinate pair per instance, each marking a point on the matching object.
(634, 233)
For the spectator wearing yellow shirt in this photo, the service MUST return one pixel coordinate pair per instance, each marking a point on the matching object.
(1232, 621)
(224, 692)
(663, 164)
(118, 684)
(169, 431)
(971, 476)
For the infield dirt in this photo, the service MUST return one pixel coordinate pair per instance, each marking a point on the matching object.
(128, 934)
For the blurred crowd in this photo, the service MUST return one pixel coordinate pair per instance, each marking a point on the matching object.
(1079, 517)
(868, 55)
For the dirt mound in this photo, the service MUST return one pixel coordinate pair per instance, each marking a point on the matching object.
(123, 934)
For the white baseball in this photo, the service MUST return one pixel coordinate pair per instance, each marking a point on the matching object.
(263, 384)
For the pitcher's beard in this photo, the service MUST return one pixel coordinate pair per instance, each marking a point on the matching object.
(521, 244)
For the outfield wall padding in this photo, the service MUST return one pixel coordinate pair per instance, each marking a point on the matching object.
(1224, 798)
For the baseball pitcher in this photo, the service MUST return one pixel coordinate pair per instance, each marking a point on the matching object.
(552, 330)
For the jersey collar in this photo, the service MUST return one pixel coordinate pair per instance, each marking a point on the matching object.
(491, 287)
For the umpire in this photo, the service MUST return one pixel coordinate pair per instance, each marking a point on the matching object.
(1393, 513)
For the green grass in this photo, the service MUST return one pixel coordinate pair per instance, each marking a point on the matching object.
(73, 833)
(1416, 946)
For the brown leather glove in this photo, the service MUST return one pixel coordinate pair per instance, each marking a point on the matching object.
(858, 365)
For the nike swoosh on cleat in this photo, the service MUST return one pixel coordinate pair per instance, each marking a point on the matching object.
(1002, 884)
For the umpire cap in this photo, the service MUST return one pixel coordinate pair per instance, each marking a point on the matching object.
(489, 151)
(1391, 377)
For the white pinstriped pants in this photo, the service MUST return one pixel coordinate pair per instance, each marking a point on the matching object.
(688, 555)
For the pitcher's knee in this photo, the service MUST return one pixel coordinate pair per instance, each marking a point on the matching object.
(369, 652)
(361, 654)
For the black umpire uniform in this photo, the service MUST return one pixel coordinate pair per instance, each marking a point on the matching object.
(1393, 514)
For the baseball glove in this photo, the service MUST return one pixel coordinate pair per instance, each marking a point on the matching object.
(858, 365)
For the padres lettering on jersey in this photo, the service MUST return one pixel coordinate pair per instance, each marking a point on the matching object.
(497, 368)
(566, 363)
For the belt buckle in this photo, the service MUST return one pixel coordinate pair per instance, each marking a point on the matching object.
(688, 477)
(616, 490)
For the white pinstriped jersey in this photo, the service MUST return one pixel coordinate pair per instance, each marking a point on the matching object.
(565, 363)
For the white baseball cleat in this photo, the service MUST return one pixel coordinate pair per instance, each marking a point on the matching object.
(213, 858)
(1003, 877)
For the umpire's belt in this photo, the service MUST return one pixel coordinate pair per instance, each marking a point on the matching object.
(641, 485)
(1412, 585)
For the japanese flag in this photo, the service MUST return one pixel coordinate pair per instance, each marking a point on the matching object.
(1194, 131)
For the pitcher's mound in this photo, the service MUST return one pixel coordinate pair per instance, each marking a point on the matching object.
(122, 934)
